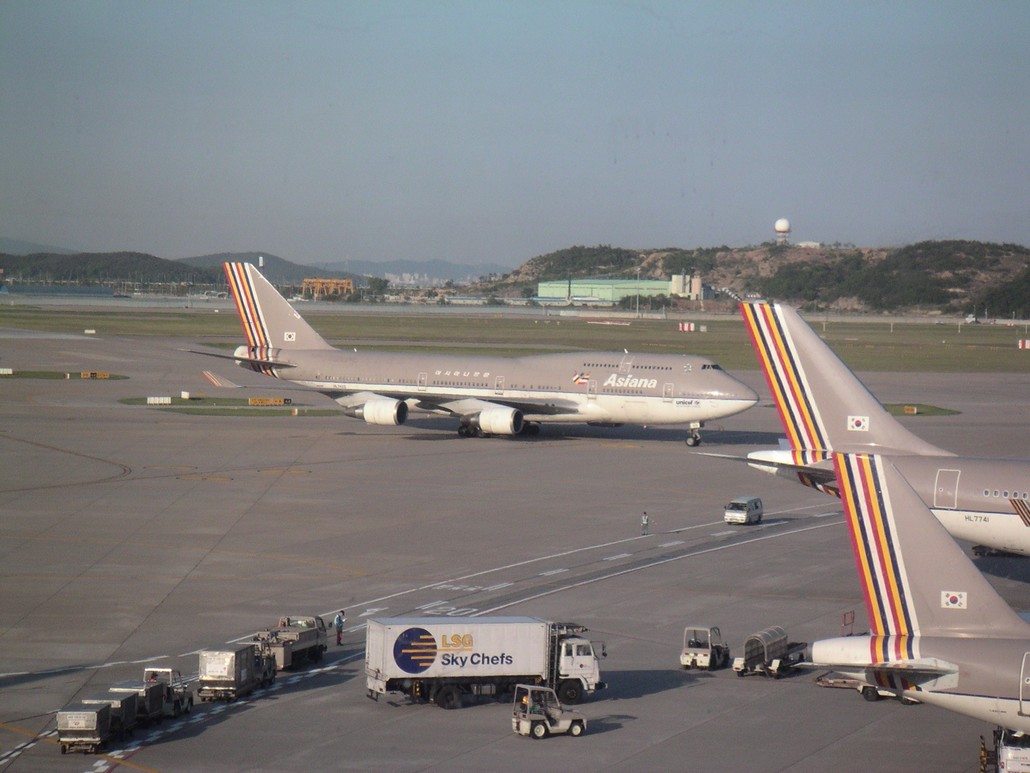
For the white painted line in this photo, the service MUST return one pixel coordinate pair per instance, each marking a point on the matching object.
(671, 544)
(722, 533)
(651, 565)
(826, 515)
(553, 571)
(617, 557)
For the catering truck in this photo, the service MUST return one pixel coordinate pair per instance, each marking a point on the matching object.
(444, 659)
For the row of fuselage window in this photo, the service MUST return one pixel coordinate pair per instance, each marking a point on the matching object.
(1005, 494)
(482, 385)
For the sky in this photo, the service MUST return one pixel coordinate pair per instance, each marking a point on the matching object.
(489, 131)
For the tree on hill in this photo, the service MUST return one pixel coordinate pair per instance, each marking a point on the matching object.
(1009, 300)
(583, 261)
(106, 267)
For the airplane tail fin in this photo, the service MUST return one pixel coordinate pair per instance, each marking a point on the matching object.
(269, 322)
(823, 406)
(915, 578)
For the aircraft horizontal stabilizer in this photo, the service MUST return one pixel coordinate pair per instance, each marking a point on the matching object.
(220, 381)
(237, 356)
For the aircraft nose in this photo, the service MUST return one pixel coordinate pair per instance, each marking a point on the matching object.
(741, 391)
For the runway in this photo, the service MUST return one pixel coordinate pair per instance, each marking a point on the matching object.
(131, 535)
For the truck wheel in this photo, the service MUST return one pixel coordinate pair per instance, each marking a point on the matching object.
(538, 730)
(576, 729)
(449, 698)
(570, 691)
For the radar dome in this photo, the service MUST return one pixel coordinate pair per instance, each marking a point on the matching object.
(782, 226)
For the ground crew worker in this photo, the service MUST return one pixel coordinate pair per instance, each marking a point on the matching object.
(338, 622)
(645, 524)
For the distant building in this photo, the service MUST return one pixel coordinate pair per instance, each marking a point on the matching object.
(613, 290)
(328, 288)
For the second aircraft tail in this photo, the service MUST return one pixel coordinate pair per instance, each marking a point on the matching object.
(823, 406)
(915, 578)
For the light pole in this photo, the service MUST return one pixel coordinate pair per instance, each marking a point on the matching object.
(638, 293)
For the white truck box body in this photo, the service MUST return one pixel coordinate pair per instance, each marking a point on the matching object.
(231, 666)
(429, 647)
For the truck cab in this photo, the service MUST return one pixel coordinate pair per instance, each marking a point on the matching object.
(1012, 749)
(703, 647)
(579, 670)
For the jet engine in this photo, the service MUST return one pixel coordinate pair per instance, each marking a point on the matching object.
(494, 421)
(383, 412)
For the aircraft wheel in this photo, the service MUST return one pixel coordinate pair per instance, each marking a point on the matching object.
(870, 693)
(694, 440)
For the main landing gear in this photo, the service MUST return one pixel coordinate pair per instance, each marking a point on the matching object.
(694, 439)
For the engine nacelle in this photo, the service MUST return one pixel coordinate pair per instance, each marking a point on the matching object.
(385, 412)
(496, 421)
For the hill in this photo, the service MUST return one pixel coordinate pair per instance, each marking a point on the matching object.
(277, 270)
(933, 276)
(104, 268)
(947, 276)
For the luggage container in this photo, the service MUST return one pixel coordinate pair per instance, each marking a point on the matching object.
(230, 674)
(149, 699)
(769, 653)
(83, 727)
(123, 711)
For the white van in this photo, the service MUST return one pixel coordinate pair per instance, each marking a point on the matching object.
(743, 510)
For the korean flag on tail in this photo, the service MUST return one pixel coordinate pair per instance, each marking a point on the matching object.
(289, 336)
(953, 599)
(858, 423)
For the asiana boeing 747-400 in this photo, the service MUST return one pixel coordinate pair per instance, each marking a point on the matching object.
(487, 395)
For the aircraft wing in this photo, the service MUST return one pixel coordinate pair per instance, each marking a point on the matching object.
(778, 462)
(350, 399)
(469, 405)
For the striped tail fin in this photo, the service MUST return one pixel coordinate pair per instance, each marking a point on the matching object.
(269, 322)
(916, 580)
(823, 406)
